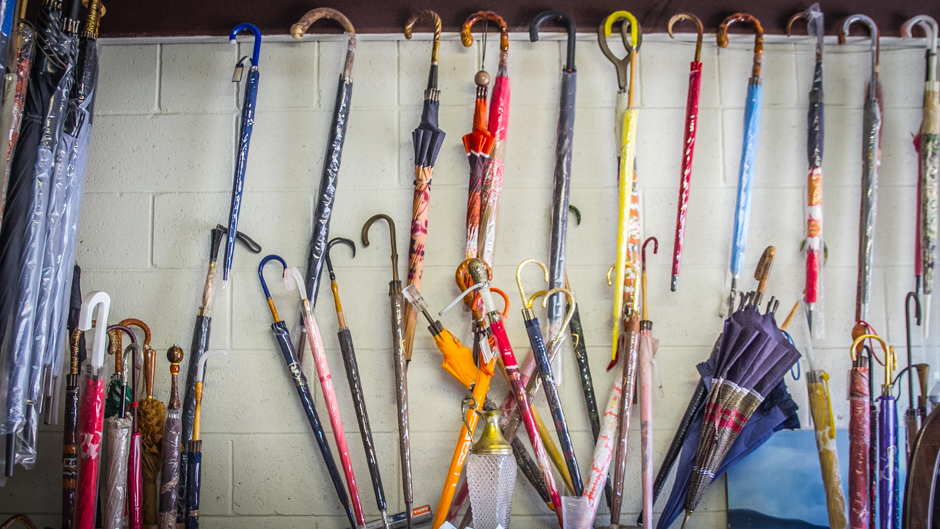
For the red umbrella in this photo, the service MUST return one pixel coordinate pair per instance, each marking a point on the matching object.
(91, 408)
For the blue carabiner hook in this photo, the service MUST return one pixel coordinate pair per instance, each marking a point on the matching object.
(257, 33)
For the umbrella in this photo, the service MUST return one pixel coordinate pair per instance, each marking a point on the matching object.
(330, 176)
(172, 430)
(303, 390)
(871, 160)
(929, 151)
(859, 435)
(355, 383)
(293, 280)
(815, 122)
(497, 125)
(118, 450)
(479, 145)
(751, 360)
(603, 454)
(396, 302)
(625, 121)
(244, 139)
(919, 493)
(540, 352)
(91, 409)
(70, 434)
(887, 444)
(630, 342)
(688, 140)
(200, 345)
(742, 210)
(648, 347)
(134, 464)
(23, 229)
(912, 418)
(118, 399)
(428, 139)
(564, 138)
(194, 452)
(14, 97)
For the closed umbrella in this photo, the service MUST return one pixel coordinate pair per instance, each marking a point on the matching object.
(859, 436)
(118, 449)
(244, 140)
(648, 347)
(91, 408)
(742, 210)
(14, 96)
(920, 506)
(603, 455)
(929, 151)
(912, 418)
(172, 446)
(815, 123)
(888, 486)
(396, 302)
(282, 335)
(428, 139)
(688, 141)
(871, 161)
(194, 451)
(70, 435)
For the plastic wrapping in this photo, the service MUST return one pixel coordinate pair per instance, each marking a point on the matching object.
(135, 484)
(631, 338)
(814, 244)
(14, 98)
(561, 192)
(742, 210)
(820, 407)
(115, 489)
(479, 145)
(194, 483)
(282, 335)
(90, 423)
(648, 347)
(332, 407)
(554, 403)
(887, 461)
(603, 453)
(199, 347)
(685, 176)
(625, 252)
(241, 164)
(169, 476)
(498, 125)
(491, 479)
(871, 161)
(859, 439)
(70, 452)
(929, 168)
(919, 503)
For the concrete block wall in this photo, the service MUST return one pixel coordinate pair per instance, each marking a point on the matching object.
(160, 175)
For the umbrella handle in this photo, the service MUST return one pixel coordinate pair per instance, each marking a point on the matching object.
(526, 302)
(102, 302)
(700, 29)
(467, 38)
(392, 239)
(300, 28)
(435, 19)
(570, 27)
(571, 308)
(929, 25)
(264, 286)
(256, 52)
(758, 38)
(875, 43)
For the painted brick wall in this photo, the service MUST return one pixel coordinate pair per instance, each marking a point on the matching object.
(160, 174)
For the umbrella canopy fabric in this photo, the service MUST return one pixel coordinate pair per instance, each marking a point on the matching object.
(920, 509)
(119, 441)
(14, 98)
(603, 454)
(172, 446)
(428, 139)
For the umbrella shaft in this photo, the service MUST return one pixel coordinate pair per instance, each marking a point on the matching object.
(401, 388)
(887, 461)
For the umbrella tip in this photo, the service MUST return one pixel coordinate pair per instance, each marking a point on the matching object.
(688, 514)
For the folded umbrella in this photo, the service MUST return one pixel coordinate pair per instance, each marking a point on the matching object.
(648, 347)
(688, 141)
(172, 446)
(603, 455)
(70, 434)
(14, 96)
(194, 451)
(120, 429)
(428, 139)
(282, 335)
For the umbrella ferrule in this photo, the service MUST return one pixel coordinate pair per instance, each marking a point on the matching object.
(646, 325)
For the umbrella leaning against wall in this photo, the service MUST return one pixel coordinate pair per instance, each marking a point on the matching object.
(172, 445)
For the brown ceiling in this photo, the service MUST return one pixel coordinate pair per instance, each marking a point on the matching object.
(149, 18)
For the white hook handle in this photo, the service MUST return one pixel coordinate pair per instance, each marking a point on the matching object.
(293, 279)
(201, 370)
(102, 302)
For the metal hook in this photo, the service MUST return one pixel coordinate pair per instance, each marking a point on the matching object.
(758, 38)
(329, 246)
(435, 20)
(467, 38)
(929, 25)
(264, 286)
(570, 27)
(99, 303)
(256, 52)
(526, 303)
(875, 44)
(391, 234)
(603, 32)
(699, 28)
(643, 249)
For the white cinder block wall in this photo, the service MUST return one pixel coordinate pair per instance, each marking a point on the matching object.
(160, 175)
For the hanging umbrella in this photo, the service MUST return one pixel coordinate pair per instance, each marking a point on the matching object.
(912, 419)
(564, 140)
(293, 280)
(70, 434)
(194, 452)
(497, 125)
(244, 139)
(630, 345)
(200, 345)
(688, 141)
(91, 409)
(752, 359)
(355, 383)
(929, 151)
(813, 245)
(428, 139)
(14, 96)
(742, 210)
(625, 120)
(540, 352)
(648, 347)
(23, 229)
(303, 390)
(603, 455)
(172, 446)
(401, 375)
(871, 161)
(479, 145)
(330, 176)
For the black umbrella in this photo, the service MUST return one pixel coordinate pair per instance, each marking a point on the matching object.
(303, 391)
(330, 177)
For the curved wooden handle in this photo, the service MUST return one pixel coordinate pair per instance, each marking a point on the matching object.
(467, 38)
(300, 28)
(435, 20)
(134, 322)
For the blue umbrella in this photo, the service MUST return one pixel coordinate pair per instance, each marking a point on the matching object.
(742, 210)
(248, 121)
